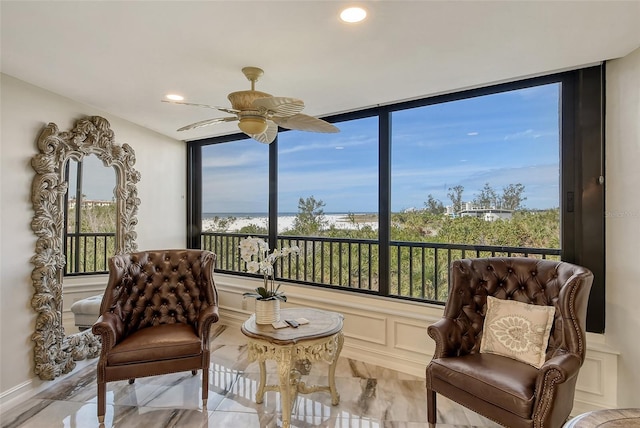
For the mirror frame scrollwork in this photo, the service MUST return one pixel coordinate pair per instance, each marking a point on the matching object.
(54, 352)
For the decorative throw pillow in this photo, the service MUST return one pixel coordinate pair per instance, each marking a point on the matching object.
(517, 330)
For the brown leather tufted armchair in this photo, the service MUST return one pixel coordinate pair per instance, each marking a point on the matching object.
(505, 390)
(156, 315)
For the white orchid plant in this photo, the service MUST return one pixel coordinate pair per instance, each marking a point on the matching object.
(255, 253)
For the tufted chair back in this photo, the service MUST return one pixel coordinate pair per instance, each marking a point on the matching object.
(506, 390)
(150, 288)
(527, 280)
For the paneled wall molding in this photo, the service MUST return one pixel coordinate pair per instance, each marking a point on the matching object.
(405, 346)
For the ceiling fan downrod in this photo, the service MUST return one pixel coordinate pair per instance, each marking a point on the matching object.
(253, 74)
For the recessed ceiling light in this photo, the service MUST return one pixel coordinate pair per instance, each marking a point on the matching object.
(353, 14)
(174, 97)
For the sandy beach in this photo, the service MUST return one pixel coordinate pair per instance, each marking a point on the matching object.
(340, 221)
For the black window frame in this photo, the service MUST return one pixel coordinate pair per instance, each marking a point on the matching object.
(582, 197)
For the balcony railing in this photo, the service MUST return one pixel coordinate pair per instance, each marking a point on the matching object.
(417, 270)
(88, 253)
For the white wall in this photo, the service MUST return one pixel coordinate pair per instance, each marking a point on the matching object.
(161, 162)
(623, 222)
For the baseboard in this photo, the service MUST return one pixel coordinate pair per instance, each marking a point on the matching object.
(16, 395)
(26, 390)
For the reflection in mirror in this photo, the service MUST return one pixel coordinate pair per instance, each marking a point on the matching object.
(90, 216)
(89, 241)
(55, 353)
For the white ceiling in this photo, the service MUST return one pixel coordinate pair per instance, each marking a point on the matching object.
(123, 56)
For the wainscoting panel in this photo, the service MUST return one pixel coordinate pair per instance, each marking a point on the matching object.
(412, 337)
(597, 382)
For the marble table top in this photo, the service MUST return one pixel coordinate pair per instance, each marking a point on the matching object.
(321, 324)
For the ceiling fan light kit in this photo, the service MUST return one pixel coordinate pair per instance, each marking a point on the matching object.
(259, 114)
(253, 125)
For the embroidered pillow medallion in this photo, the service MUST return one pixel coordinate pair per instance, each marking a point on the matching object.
(517, 330)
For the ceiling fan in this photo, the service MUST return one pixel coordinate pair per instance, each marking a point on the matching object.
(259, 114)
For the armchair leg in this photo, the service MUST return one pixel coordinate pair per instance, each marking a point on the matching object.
(131, 381)
(194, 372)
(205, 387)
(102, 393)
(431, 407)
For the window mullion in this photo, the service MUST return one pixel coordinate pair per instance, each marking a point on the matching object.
(384, 200)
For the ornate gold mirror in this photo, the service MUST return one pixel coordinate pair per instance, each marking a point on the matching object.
(55, 353)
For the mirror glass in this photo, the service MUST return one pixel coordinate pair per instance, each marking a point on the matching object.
(55, 352)
(90, 225)
(90, 217)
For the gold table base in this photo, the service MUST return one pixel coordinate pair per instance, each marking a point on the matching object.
(319, 343)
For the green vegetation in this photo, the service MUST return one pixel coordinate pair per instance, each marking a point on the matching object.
(310, 219)
(90, 253)
(424, 242)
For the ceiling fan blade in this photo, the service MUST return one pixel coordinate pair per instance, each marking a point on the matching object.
(280, 106)
(224, 109)
(267, 136)
(208, 122)
(303, 122)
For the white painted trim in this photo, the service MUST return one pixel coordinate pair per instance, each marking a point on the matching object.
(16, 395)
(30, 388)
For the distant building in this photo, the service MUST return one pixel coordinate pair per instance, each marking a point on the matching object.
(90, 203)
(486, 214)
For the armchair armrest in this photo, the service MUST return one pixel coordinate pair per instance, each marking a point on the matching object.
(556, 370)
(555, 388)
(445, 333)
(205, 319)
(110, 328)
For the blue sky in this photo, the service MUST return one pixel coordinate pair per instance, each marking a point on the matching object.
(501, 139)
(98, 182)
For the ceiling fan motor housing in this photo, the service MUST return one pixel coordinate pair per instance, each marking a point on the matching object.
(243, 100)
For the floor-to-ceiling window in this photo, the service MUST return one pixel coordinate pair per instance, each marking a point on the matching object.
(385, 205)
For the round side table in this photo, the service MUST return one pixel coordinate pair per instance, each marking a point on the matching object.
(319, 340)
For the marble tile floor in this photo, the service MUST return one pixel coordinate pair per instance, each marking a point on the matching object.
(370, 397)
